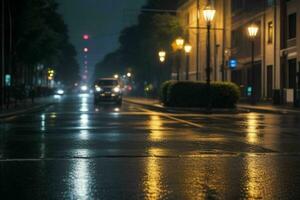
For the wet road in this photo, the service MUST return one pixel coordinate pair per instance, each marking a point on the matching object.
(75, 150)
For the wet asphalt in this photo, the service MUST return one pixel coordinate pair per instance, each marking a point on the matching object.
(77, 150)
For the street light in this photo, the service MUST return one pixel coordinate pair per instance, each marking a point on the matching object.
(129, 74)
(162, 53)
(252, 32)
(179, 45)
(86, 50)
(162, 56)
(116, 76)
(209, 14)
(187, 49)
(162, 59)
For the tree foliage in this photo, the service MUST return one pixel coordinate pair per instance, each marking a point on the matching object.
(140, 43)
(41, 37)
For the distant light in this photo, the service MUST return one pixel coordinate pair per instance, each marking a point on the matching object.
(60, 92)
(117, 89)
(162, 59)
(188, 48)
(129, 74)
(116, 76)
(86, 37)
(233, 63)
(84, 88)
(162, 54)
(129, 87)
(86, 50)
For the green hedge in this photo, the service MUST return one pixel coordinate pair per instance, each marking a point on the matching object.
(164, 90)
(195, 94)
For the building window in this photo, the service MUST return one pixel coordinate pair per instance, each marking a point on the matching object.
(270, 32)
(292, 24)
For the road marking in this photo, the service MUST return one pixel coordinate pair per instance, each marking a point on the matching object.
(172, 118)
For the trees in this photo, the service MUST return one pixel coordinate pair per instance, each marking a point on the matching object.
(139, 44)
(41, 37)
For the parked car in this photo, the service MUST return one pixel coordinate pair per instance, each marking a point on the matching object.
(107, 90)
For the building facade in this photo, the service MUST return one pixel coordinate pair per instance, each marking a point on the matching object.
(277, 44)
(195, 33)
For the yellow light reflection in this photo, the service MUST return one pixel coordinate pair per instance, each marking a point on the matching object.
(155, 125)
(254, 178)
(153, 184)
(53, 116)
(252, 127)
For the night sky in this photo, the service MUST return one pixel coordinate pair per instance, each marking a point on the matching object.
(102, 20)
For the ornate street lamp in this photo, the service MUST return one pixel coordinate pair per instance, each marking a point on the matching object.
(162, 59)
(252, 32)
(187, 50)
(209, 14)
(179, 42)
(162, 53)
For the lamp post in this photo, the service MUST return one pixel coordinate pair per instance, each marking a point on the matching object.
(187, 49)
(252, 32)
(162, 56)
(209, 14)
(179, 46)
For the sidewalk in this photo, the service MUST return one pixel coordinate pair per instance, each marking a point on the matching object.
(264, 107)
(26, 106)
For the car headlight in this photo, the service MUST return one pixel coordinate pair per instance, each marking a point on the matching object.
(84, 88)
(117, 89)
(60, 92)
(98, 89)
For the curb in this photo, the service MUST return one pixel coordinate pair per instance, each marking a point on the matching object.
(37, 107)
(262, 110)
(198, 110)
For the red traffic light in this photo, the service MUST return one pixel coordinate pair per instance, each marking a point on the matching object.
(86, 37)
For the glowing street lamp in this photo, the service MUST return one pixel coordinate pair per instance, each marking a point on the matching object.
(162, 59)
(252, 32)
(129, 74)
(162, 56)
(187, 50)
(86, 50)
(209, 13)
(116, 76)
(179, 43)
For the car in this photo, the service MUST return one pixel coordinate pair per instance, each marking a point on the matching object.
(107, 90)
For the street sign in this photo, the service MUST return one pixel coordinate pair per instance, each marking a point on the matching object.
(7, 80)
(249, 91)
(233, 63)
